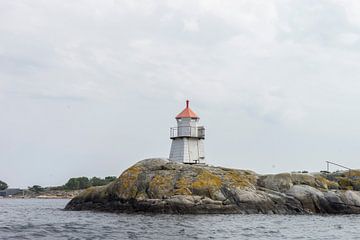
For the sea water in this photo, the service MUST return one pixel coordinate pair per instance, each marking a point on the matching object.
(46, 219)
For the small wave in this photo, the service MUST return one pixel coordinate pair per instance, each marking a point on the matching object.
(45, 220)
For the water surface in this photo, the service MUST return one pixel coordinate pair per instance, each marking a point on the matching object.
(45, 219)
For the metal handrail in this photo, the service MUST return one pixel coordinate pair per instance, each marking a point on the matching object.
(187, 131)
(328, 167)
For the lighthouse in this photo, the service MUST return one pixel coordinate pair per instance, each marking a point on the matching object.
(187, 138)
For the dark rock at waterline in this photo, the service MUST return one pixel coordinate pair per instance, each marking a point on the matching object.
(162, 186)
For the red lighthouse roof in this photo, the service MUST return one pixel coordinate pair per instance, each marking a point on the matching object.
(187, 112)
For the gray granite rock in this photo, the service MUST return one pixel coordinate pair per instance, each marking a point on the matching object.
(161, 186)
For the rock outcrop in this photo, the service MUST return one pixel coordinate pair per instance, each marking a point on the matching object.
(162, 186)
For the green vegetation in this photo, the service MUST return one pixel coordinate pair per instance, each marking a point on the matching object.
(36, 189)
(77, 183)
(3, 185)
(95, 181)
(84, 182)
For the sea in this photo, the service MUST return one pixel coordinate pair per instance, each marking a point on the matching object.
(46, 219)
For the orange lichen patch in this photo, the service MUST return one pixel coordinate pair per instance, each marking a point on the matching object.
(206, 179)
(239, 180)
(182, 186)
(161, 186)
(126, 184)
(182, 191)
(206, 183)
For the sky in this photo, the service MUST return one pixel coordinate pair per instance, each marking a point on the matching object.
(90, 87)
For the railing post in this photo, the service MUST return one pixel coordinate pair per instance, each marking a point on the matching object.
(327, 166)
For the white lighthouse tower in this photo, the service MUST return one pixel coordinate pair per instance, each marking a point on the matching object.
(187, 138)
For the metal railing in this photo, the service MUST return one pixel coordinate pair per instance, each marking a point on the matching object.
(187, 131)
(332, 163)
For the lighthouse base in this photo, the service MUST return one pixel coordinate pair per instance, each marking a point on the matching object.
(187, 150)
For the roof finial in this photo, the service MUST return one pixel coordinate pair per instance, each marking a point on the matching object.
(187, 112)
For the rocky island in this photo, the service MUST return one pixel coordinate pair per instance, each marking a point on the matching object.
(163, 186)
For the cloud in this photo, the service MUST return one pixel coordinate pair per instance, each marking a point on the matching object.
(271, 69)
(191, 25)
(243, 48)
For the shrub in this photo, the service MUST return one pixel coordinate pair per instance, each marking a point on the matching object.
(36, 189)
(3, 185)
(84, 182)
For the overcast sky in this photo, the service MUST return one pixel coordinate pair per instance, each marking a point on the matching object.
(88, 88)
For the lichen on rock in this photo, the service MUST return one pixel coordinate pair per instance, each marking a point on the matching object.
(162, 186)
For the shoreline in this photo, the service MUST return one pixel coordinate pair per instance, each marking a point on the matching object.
(50, 194)
(40, 197)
